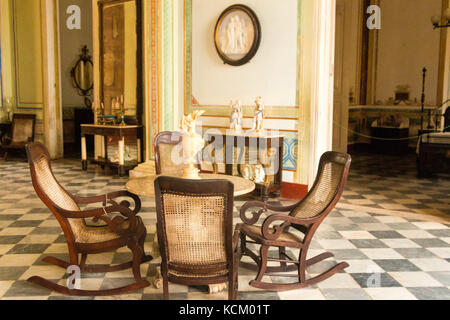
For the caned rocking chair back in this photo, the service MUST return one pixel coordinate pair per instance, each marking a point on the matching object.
(48, 188)
(329, 183)
(169, 153)
(198, 226)
(23, 127)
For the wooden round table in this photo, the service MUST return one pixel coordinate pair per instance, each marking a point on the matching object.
(145, 187)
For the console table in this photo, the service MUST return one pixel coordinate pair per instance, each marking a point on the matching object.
(111, 131)
(273, 146)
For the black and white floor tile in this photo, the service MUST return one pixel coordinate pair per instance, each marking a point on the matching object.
(391, 182)
(390, 256)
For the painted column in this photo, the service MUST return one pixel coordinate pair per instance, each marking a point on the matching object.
(98, 140)
(52, 104)
(167, 66)
(317, 82)
(444, 63)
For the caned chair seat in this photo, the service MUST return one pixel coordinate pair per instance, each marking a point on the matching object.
(96, 234)
(217, 273)
(255, 232)
(101, 234)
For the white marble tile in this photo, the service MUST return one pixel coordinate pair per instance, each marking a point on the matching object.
(415, 279)
(390, 293)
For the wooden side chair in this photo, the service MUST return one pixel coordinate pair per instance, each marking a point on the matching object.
(22, 132)
(195, 233)
(124, 230)
(304, 216)
(169, 152)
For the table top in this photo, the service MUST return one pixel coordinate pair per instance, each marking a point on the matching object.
(259, 135)
(145, 186)
(110, 126)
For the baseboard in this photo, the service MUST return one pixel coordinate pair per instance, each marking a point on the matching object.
(293, 190)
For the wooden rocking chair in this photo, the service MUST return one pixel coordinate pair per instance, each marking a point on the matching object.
(126, 229)
(304, 216)
(22, 133)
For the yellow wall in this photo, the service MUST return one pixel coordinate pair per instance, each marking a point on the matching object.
(29, 50)
(31, 65)
(130, 58)
(22, 58)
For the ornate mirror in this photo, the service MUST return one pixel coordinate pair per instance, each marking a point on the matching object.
(120, 57)
(82, 76)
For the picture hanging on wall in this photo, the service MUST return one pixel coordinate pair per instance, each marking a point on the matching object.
(237, 35)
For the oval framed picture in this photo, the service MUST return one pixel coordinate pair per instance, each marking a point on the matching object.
(237, 35)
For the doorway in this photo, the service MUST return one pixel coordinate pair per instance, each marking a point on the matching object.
(76, 47)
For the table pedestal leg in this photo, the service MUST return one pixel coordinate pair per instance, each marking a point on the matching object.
(83, 154)
(121, 157)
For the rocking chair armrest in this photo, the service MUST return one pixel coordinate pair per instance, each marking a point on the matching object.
(264, 208)
(272, 233)
(82, 214)
(101, 214)
(111, 196)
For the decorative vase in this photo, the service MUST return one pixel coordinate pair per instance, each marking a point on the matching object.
(193, 143)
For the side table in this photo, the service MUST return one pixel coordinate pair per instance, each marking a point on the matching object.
(266, 144)
(112, 131)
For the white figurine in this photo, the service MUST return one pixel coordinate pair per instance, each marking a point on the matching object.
(258, 119)
(236, 117)
(192, 143)
(259, 175)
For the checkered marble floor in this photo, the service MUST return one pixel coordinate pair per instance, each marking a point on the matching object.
(390, 257)
(391, 182)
